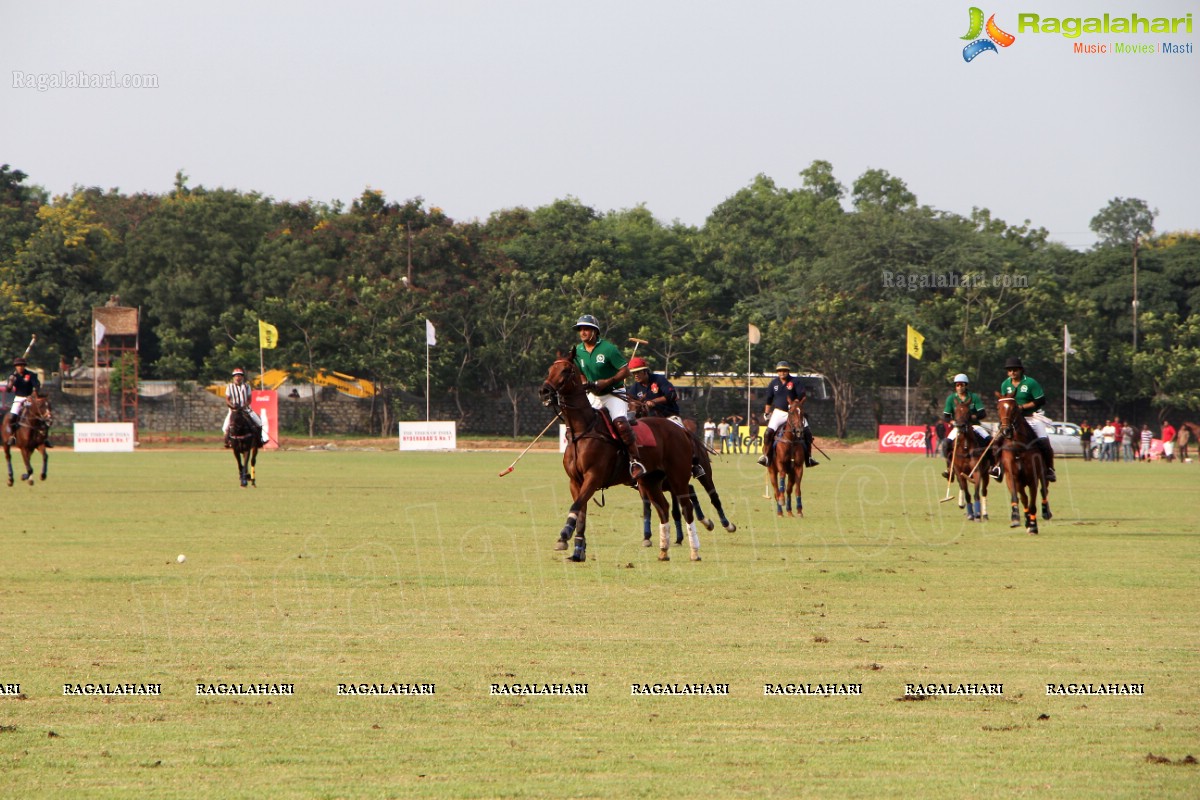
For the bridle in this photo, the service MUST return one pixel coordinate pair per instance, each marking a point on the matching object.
(38, 412)
(1009, 429)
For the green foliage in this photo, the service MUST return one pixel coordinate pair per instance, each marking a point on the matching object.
(350, 288)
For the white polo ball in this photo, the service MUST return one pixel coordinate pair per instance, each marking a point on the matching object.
(181, 558)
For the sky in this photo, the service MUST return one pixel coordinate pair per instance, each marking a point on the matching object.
(479, 106)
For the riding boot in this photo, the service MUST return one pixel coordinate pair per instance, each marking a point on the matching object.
(809, 461)
(1048, 456)
(636, 468)
(768, 447)
(946, 452)
(13, 421)
(228, 441)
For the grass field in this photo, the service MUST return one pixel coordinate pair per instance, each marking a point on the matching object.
(381, 567)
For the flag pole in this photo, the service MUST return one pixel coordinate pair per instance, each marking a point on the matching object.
(427, 379)
(261, 367)
(906, 386)
(1066, 347)
(748, 346)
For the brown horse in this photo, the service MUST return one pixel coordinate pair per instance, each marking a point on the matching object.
(32, 430)
(970, 453)
(1022, 462)
(246, 438)
(594, 460)
(787, 464)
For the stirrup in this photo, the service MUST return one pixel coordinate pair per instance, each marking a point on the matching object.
(812, 462)
(762, 460)
(996, 472)
(946, 474)
(636, 469)
(1050, 476)
(697, 471)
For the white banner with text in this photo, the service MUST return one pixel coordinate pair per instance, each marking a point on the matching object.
(428, 435)
(103, 437)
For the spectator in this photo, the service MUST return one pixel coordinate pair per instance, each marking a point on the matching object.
(1118, 432)
(1144, 452)
(1108, 435)
(1127, 434)
(928, 440)
(735, 436)
(710, 430)
(723, 434)
(1085, 439)
(941, 430)
(1168, 440)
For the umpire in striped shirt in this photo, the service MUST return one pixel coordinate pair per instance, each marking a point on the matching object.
(237, 395)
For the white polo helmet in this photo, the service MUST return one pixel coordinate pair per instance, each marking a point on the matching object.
(961, 378)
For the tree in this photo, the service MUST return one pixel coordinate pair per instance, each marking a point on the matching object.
(849, 339)
(1123, 221)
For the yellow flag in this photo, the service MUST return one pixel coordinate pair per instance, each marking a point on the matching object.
(916, 343)
(268, 335)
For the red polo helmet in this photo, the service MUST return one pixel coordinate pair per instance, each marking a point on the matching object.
(637, 364)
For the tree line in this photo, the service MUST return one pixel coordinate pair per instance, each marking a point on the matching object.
(831, 276)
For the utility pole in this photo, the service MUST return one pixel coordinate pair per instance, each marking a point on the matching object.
(1137, 241)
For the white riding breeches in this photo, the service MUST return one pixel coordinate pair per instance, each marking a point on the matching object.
(979, 429)
(17, 404)
(617, 407)
(1038, 421)
(778, 418)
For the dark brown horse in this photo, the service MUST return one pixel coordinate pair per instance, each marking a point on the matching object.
(702, 459)
(787, 464)
(31, 432)
(1023, 465)
(246, 438)
(594, 460)
(970, 453)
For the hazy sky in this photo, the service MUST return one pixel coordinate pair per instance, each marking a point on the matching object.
(675, 104)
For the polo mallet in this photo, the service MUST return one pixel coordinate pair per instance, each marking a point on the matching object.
(953, 452)
(982, 456)
(32, 341)
(636, 341)
(513, 465)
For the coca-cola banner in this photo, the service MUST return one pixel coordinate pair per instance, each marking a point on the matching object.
(901, 439)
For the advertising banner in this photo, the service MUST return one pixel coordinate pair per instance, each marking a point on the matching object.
(265, 403)
(428, 435)
(902, 439)
(103, 437)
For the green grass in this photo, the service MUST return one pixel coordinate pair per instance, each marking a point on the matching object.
(381, 567)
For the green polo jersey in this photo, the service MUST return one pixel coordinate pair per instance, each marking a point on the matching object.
(602, 363)
(1028, 390)
(972, 398)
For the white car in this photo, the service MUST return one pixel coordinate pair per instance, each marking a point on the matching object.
(1064, 438)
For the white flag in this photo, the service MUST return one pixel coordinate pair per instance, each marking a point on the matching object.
(754, 334)
(430, 334)
(99, 333)
(1067, 342)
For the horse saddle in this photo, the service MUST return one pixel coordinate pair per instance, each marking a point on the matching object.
(644, 436)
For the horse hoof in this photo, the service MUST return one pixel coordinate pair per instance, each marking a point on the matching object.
(695, 555)
(560, 545)
(645, 543)
(708, 524)
(678, 540)
(575, 559)
(1014, 523)
(662, 554)
(730, 527)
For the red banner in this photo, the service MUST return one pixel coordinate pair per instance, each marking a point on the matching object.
(902, 439)
(265, 403)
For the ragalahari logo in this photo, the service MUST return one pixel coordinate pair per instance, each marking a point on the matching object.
(995, 36)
